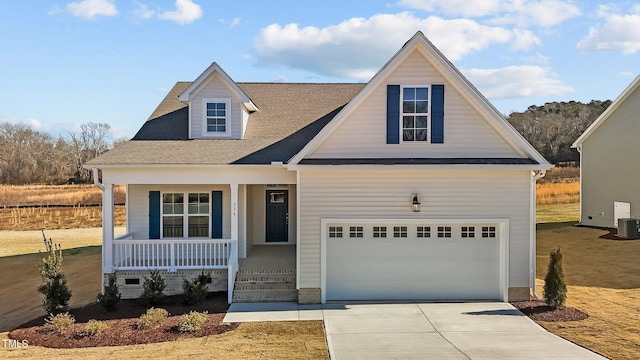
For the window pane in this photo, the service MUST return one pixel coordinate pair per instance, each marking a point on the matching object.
(222, 128)
(211, 106)
(421, 107)
(203, 208)
(193, 208)
(204, 198)
(193, 198)
(407, 122)
(222, 106)
(172, 226)
(407, 135)
(211, 113)
(221, 113)
(178, 208)
(198, 226)
(167, 209)
(421, 135)
(421, 122)
(408, 106)
(408, 93)
(422, 93)
(167, 198)
(178, 198)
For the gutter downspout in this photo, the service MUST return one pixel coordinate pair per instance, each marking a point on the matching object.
(535, 175)
(97, 183)
(579, 148)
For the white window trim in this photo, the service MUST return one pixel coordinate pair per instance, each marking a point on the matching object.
(402, 87)
(185, 215)
(209, 134)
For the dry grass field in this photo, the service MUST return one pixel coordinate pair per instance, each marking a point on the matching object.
(14, 195)
(558, 193)
(50, 218)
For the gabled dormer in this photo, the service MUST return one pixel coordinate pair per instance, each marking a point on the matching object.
(218, 108)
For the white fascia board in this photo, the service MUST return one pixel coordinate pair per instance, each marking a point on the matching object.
(605, 115)
(422, 167)
(182, 165)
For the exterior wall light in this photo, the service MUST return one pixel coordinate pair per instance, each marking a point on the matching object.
(415, 202)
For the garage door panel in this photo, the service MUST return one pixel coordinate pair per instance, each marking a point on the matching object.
(413, 268)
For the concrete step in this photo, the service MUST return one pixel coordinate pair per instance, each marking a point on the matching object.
(265, 286)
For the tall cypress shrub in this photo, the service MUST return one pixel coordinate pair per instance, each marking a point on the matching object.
(54, 283)
(555, 288)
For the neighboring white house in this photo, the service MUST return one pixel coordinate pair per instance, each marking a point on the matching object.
(609, 162)
(411, 186)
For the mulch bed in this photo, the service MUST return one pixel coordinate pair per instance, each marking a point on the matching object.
(121, 330)
(537, 310)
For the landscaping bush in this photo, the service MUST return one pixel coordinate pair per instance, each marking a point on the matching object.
(153, 289)
(110, 297)
(195, 291)
(59, 323)
(555, 288)
(54, 283)
(93, 327)
(151, 318)
(192, 321)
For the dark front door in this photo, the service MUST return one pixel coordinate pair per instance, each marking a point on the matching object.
(277, 216)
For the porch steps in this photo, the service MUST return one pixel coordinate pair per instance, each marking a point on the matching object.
(265, 286)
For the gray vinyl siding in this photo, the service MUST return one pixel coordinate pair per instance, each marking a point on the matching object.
(611, 165)
(215, 88)
(466, 133)
(386, 195)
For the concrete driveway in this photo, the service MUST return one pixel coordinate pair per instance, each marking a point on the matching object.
(441, 331)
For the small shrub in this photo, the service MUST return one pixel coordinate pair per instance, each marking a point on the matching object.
(151, 318)
(93, 327)
(110, 297)
(59, 323)
(195, 291)
(192, 321)
(54, 283)
(555, 288)
(153, 289)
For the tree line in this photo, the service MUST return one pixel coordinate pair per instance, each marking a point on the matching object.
(553, 127)
(30, 156)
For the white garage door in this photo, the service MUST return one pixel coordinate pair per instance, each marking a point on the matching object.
(408, 261)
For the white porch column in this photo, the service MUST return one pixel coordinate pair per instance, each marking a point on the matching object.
(242, 242)
(234, 211)
(107, 228)
(234, 217)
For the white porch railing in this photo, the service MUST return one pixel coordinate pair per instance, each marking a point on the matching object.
(171, 255)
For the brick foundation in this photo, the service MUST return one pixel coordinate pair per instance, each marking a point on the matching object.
(172, 279)
(519, 293)
(309, 296)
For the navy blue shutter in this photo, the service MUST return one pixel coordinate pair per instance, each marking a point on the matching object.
(216, 214)
(437, 114)
(154, 214)
(393, 114)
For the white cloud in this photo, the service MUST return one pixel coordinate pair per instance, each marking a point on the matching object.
(143, 12)
(620, 32)
(525, 13)
(186, 12)
(358, 47)
(535, 59)
(516, 82)
(524, 40)
(626, 74)
(31, 122)
(89, 9)
(162, 90)
(234, 22)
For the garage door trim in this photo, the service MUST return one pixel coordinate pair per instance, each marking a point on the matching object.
(503, 224)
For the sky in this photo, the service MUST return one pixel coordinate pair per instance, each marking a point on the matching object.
(64, 63)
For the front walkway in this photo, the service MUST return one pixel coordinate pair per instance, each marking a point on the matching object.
(422, 330)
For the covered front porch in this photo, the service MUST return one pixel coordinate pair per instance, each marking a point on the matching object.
(189, 227)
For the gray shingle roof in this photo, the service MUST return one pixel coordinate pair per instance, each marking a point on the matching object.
(289, 116)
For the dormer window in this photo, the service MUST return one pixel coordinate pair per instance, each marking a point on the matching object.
(415, 114)
(217, 115)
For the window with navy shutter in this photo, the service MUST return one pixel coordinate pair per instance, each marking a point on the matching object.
(415, 114)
